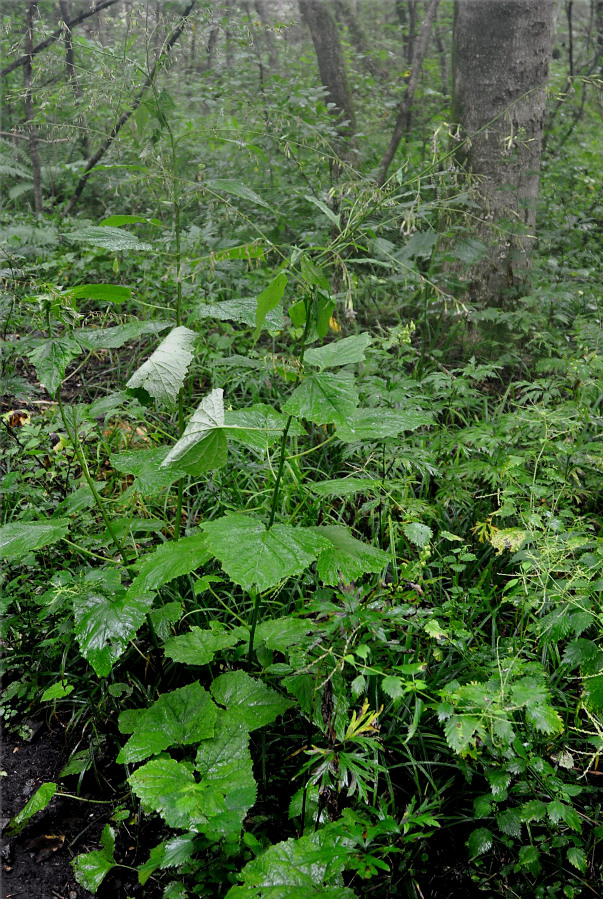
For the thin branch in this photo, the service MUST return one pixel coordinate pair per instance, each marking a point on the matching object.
(404, 107)
(22, 60)
(128, 113)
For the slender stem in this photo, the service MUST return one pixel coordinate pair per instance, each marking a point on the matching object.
(281, 464)
(177, 229)
(75, 441)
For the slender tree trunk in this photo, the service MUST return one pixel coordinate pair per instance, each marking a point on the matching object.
(34, 150)
(94, 160)
(22, 60)
(345, 14)
(210, 50)
(405, 105)
(267, 36)
(599, 30)
(442, 55)
(501, 54)
(72, 74)
(329, 54)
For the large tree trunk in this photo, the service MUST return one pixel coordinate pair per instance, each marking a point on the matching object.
(32, 133)
(500, 66)
(332, 70)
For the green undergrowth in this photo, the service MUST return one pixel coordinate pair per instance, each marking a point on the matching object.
(307, 556)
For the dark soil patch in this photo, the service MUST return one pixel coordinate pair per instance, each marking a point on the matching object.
(36, 862)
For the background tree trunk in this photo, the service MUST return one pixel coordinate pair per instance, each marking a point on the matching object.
(72, 73)
(500, 67)
(403, 117)
(327, 44)
(34, 150)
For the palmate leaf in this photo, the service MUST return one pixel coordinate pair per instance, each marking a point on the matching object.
(168, 561)
(104, 624)
(168, 854)
(51, 359)
(169, 787)
(247, 700)
(259, 426)
(297, 869)
(21, 537)
(224, 763)
(347, 558)
(181, 717)
(340, 352)
(254, 557)
(324, 398)
(203, 445)
(91, 869)
(379, 424)
(198, 647)
(163, 374)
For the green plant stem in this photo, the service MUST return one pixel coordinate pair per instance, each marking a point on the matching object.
(177, 229)
(75, 442)
(279, 474)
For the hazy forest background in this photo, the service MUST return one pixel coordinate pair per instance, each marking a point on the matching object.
(301, 448)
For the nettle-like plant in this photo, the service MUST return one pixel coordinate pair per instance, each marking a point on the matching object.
(187, 755)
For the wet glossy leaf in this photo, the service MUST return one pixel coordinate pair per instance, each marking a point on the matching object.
(38, 801)
(198, 647)
(324, 398)
(169, 561)
(169, 787)
(104, 624)
(480, 841)
(379, 424)
(347, 558)
(255, 557)
(297, 869)
(247, 700)
(91, 869)
(226, 768)
(346, 351)
(21, 537)
(181, 717)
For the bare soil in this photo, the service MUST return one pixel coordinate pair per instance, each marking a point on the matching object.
(35, 864)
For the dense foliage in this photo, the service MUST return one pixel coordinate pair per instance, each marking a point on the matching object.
(306, 545)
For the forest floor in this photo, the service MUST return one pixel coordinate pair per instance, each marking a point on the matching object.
(36, 861)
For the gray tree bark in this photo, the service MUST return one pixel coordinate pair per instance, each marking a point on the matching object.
(32, 132)
(500, 67)
(327, 44)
